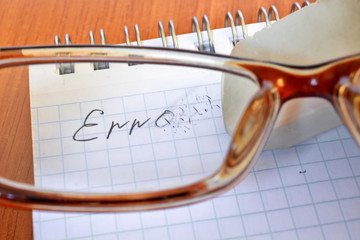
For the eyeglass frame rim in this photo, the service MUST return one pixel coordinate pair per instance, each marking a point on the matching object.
(30, 197)
(3, 50)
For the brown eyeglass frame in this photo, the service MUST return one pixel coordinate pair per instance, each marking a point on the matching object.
(335, 81)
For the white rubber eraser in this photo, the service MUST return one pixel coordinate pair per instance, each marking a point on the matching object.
(324, 30)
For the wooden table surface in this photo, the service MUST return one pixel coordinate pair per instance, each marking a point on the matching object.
(36, 22)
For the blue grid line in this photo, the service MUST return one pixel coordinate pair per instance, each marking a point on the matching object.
(198, 221)
(39, 149)
(117, 114)
(129, 95)
(190, 155)
(311, 196)
(333, 188)
(63, 168)
(263, 205)
(147, 126)
(224, 154)
(156, 164)
(133, 172)
(87, 174)
(40, 164)
(185, 138)
(347, 158)
(110, 173)
(237, 194)
(245, 214)
(254, 171)
(181, 175)
(202, 165)
(152, 148)
(286, 196)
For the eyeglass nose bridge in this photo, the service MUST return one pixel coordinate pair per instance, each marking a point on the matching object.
(312, 81)
(295, 86)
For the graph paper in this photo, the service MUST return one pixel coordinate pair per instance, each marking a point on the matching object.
(309, 191)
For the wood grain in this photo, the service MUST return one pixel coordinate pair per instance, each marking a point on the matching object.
(36, 22)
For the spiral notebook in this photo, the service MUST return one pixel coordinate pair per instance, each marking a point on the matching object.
(309, 191)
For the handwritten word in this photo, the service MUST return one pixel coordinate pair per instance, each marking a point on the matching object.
(180, 118)
(86, 124)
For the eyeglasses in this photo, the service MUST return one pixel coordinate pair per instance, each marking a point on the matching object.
(131, 128)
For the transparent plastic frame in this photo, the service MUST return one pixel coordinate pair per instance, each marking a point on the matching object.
(336, 81)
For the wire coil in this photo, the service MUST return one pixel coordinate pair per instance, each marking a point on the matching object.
(207, 44)
(172, 34)
(64, 68)
(99, 65)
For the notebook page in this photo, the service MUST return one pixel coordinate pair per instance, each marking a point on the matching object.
(309, 191)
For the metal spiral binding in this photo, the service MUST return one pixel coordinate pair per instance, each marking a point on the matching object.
(67, 68)
(205, 27)
(127, 37)
(99, 65)
(296, 6)
(137, 35)
(162, 34)
(229, 19)
(262, 12)
(273, 10)
(64, 68)
(239, 17)
(171, 32)
(195, 27)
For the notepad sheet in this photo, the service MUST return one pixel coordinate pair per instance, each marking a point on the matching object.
(309, 191)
